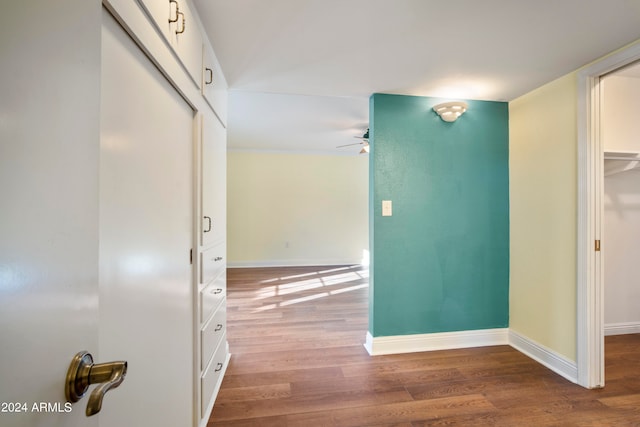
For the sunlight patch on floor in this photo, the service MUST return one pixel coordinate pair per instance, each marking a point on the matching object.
(305, 285)
(320, 280)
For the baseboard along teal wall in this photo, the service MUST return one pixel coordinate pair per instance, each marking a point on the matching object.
(440, 263)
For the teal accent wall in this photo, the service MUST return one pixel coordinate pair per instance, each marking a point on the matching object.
(441, 262)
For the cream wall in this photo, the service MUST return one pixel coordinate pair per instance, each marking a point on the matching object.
(296, 209)
(543, 185)
(620, 124)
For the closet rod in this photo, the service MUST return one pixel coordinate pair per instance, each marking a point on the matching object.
(629, 159)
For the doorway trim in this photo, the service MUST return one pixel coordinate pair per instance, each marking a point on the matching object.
(590, 282)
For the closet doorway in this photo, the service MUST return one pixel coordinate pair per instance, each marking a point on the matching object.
(591, 245)
(620, 133)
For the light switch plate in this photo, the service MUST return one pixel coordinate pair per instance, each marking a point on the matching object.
(386, 208)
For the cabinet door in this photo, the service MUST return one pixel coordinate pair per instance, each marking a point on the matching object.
(213, 181)
(177, 22)
(186, 40)
(162, 12)
(214, 85)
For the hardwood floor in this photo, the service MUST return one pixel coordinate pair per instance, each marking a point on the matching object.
(296, 337)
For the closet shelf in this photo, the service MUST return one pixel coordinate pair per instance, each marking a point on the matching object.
(620, 161)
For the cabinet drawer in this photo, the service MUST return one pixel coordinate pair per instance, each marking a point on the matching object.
(212, 263)
(212, 377)
(211, 335)
(212, 296)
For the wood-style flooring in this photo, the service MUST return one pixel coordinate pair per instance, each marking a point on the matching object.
(296, 335)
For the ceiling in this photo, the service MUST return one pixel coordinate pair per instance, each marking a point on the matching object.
(300, 72)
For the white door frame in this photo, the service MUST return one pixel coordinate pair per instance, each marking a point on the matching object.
(590, 286)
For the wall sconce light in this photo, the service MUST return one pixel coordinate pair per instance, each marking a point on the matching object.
(450, 111)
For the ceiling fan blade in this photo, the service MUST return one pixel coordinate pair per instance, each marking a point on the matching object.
(348, 145)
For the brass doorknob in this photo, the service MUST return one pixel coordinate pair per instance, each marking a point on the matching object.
(83, 372)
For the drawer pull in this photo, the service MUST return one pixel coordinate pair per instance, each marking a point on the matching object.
(217, 291)
(210, 79)
(218, 258)
(172, 20)
(208, 218)
(181, 30)
(218, 367)
(218, 328)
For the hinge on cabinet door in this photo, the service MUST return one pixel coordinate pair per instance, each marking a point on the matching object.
(597, 245)
(191, 256)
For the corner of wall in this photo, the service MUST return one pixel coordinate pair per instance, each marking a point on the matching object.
(543, 214)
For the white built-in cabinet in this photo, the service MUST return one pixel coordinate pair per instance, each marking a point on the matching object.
(169, 33)
(212, 250)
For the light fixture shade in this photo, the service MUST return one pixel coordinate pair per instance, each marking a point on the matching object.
(450, 111)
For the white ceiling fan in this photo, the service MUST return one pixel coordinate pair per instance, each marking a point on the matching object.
(364, 143)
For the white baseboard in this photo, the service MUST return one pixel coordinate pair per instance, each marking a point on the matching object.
(545, 356)
(292, 263)
(622, 328)
(480, 338)
(436, 341)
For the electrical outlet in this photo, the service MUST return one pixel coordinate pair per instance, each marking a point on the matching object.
(386, 208)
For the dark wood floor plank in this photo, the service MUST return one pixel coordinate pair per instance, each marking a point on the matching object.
(271, 391)
(296, 337)
(238, 376)
(407, 411)
(328, 402)
(376, 382)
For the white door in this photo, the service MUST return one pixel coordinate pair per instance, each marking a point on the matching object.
(48, 206)
(95, 221)
(146, 235)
